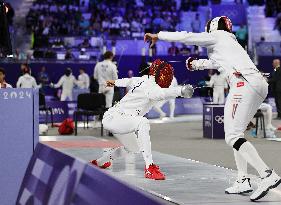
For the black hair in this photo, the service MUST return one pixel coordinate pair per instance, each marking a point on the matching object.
(107, 55)
(68, 71)
(217, 72)
(2, 70)
(222, 25)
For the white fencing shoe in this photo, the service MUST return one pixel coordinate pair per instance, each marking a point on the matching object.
(240, 187)
(271, 181)
(271, 127)
(270, 134)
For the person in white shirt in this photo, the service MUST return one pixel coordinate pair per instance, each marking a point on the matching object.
(26, 80)
(104, 71)
(172, 103)
(248, 89)
(83, 79)
(67, 82)
(3, 83)
(126, 119)
(219, 84)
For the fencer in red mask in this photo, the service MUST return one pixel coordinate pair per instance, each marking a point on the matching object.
(126, 119)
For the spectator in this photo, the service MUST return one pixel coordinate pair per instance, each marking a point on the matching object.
(69, 55)
(43, 77)
(196, 24)
(185, 51)
(125, 24)
(105, 24)
(84, 23)
(58, 43)
(242, 35)
(173, 50)
(130, 73)
(158, 21)
(125, 32)
(19, 55)
(136, 26)
(114, 27)
(275, 82)
(85, 44)
(83, 79)
(26, 80)
(128, 18)
(3, 83)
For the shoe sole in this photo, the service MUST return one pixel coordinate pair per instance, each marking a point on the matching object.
(101, 167)
(264, 193)
(243, 192)
(155, 179)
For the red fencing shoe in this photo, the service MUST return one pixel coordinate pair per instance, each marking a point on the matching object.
(153, 172)
(104, 166)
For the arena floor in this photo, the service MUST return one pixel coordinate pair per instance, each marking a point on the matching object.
(174, 144)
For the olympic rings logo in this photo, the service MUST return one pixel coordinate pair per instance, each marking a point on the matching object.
(219, 119)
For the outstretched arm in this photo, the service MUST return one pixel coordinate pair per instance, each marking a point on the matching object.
(159, 94)
(200, 64)
(59, 84)
(164, 93)
(123, 82)
(199, 39)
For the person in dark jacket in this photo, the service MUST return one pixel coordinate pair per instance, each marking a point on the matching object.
(5, 42)
(275, 83)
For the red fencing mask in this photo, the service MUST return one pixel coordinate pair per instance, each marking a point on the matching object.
(163, 73)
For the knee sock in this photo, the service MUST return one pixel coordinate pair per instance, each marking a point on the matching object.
(112, 154)
(160, 111)
(172, 108)
(241, 164)
(143, 140)
(269, 118)
(250, 154)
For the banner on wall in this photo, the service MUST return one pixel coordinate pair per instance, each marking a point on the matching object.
(19, 135)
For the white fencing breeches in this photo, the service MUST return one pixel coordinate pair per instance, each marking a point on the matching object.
(108, 92)
(242, 102)
(244, 98)
(218, 95)
(65, 95)
(136, 128)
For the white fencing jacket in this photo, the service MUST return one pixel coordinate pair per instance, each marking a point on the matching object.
(26, 81)
(105, 70)
(67, 83)
(84, 81)
(218, 81)
(144, 93)
(224, 52)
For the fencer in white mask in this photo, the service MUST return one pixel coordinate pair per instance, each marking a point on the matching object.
(248, 89)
